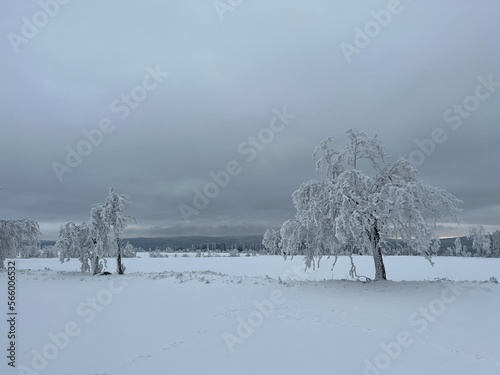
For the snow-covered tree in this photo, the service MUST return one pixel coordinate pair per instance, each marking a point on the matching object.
(66, 242)
(100, 237)
(75, 241)
(355, 211)
(480, 241)
(89, 242)
(114, 212)
(459, 250)
(271, 241)
(495, 244)
(15, 235)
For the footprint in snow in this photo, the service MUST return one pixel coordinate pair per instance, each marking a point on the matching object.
(199, 333)
(175, 344)
(141, 357)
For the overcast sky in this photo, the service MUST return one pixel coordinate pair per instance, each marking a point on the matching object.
(177, 87)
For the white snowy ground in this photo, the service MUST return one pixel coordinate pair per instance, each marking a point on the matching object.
(218, 316)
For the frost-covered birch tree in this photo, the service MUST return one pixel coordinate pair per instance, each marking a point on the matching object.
(271, 241)
(90, 242)
(14, 235)
(362, 201)
(480, 241)
(114, 212)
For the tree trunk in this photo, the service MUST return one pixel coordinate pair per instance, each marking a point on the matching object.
(95, 259)
(95, 264)
(377, 256)
(120, 269)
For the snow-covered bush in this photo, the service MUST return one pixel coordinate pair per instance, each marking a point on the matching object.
(129, 251)
(157, 254)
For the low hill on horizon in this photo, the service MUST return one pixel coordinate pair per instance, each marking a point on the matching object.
(187, 242)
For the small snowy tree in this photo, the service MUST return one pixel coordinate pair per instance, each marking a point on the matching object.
(459, 250)
(66, 244)
(15, 235)
(114, 212)
(355, 211)
(480, 241)
(271, 241)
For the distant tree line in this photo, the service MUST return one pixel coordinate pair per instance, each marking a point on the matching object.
(222, 246)
(477, 243)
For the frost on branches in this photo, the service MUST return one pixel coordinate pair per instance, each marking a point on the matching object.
(100, 238)
(271, 241)
(16, 235)
(114, 211)
(480, 241)
(363, 201)
(90, 242)
(74, 241)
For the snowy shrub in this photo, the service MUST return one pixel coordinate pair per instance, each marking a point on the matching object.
(157, 254)
(129, 251)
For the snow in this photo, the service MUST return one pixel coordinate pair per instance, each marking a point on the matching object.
(172, 316)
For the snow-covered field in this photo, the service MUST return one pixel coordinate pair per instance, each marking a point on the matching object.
(255, 316)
